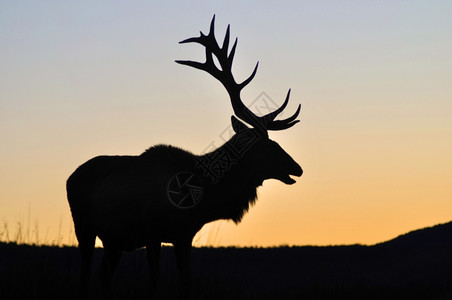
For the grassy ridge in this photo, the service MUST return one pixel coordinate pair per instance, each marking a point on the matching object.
(413, 266)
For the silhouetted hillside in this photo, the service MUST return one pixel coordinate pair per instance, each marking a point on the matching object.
(417, 265)
(426, 238)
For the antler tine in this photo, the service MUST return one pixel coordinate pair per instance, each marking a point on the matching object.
(206, 41)
(248, 80)
(212, 48)
(281, 124)
(286, 123)
(271, 116)
(226, 40)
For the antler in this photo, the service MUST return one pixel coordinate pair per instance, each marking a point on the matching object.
(224, 75)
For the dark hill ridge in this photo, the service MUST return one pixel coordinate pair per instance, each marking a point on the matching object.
(417, 265)
(430, 237)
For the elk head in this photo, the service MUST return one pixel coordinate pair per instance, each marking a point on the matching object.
(265, 157)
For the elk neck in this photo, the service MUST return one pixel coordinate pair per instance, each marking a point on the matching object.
(233, 175)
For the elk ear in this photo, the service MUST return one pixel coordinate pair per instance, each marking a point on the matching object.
(238, 126)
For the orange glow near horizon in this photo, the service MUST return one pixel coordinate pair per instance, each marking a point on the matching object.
(373, 80)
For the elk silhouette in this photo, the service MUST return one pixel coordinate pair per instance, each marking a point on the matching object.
(167, 194)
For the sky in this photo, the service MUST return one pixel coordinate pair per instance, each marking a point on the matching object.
(85, 78)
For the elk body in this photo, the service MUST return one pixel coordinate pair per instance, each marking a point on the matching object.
(167, 194)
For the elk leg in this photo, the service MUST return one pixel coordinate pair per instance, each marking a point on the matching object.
(153, 258)
(86, 246)
(183, 250)
(107, 269)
